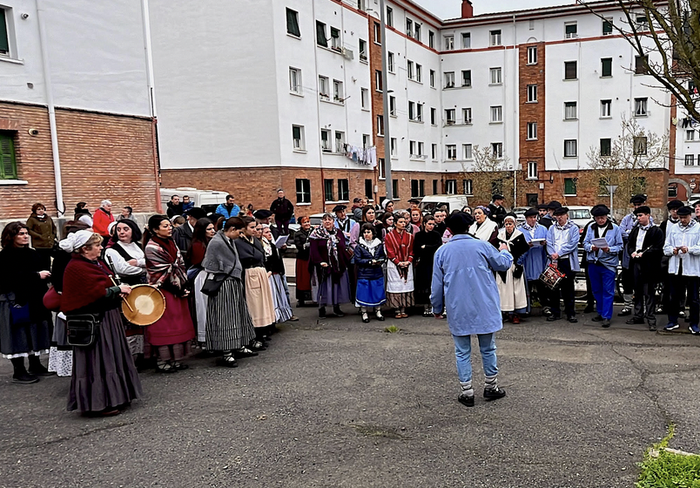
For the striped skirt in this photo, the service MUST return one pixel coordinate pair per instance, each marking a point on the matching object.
(229, 325)
(283, 310)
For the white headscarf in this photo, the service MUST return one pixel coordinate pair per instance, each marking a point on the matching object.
(75, 241)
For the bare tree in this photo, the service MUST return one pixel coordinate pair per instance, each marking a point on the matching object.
(666, 37)
(625, 163)
(489, 174)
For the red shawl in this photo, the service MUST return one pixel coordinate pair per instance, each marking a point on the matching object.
(399, 246)
(84, 282)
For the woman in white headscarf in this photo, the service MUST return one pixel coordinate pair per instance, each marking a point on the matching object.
(483, 227)
(511, 283)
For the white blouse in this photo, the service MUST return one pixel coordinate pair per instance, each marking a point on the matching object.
(120, 264)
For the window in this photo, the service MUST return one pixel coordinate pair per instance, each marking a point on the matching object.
(380, 125)
(369, 189)
(411, 110)
(432, 78)
(451, 187)
(377, 33)
(570, 30)
(641, 65)
(382, 168)
(689, 160)
(378, 80)
(570, 111)
(467, 151)
(363, 50)
(298, 137)
(642, 22)
(431, 39)
(393, 147)
(467, 115)
(339, 142)
(389, 17)
(532, 55)
(338, 91)
(434, 151)
(672, 190)
(419, 112)
(295, 80)
(326, 140)
(343, 190)
(497, 150)
(409, 69)
(532, 170)
(390, 62)
(449, 79)
(433, 116)
(570, 70)
(690, 135)
(366, 141)
(605, 108)
(8, 163)
(292, 23)
(417, 188)
(303, 190)
(323, 90)
(395, 188)
(466, 40)
(335, 39)
(640, 107)
(321, 39)
(495, 37)
(570, 186)
(466, 77)
(607, 27)
(449, 43)
(605, 147)
(450, 116)
(435, 187)
(495, 76)
(468, 187)
(416, 31)
(496, 114)
(361, 4)
(570, 148)
(451, 150)
(328, 190)
(409, 27)
(364, 96)
(419, 73)
(606, 67)
(639, 146)
(420, 148)
(392, 105)
(531, 130)
(531, 93)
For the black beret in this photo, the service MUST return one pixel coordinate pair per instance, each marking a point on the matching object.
(553, 204)
(262, 214)
(339, 208)
(196, 212)
(542, 206)
(600, 210)
(459, 222)
(695, 203)
(531, 212)
(643, 209)
(639, 198)
(674, 204)
(414, 200)
(498, 196)
(561, 210)
(685, 210)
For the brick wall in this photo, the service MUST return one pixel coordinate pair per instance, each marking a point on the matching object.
(531, 150)
(102, 156)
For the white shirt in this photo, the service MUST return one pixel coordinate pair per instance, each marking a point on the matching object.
(640, 237)
(120, 264)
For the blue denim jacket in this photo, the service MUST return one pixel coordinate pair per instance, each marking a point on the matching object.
(608, 259)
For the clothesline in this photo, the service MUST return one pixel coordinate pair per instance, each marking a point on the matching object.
(361, 155)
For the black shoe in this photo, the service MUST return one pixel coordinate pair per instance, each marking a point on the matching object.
(491, 394)
(634, 320)
(379, 316)
(40, 371)
(597, 318)
(589, 309)
(624, 312)
(322, 313)
(605, 324)
(552, 318)
(572, 319)
(467, 401)
(24, 378)
(681, 314)
(652, 327)
(244, 352)
(337, 312)
(546, 311)
(227, 362)
(257, 346)
(365, 318)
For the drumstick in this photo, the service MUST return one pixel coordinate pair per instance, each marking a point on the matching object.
(123, 298)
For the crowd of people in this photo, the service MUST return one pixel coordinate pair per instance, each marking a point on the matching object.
(223, 281)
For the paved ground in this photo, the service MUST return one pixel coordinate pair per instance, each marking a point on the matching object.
(341, 403)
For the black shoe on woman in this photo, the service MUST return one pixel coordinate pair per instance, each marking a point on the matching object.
(337, 311)
(322, 312)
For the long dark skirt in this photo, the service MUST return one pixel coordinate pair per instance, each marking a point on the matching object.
(303, 280)
(104, 375)
(229, 325)
(22, 340)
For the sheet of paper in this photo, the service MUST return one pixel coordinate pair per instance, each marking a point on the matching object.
(538, 242)
(600, 243)
(281, 241)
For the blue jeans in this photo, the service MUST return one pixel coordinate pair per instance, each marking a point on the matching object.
(603, 289)
(463, 353)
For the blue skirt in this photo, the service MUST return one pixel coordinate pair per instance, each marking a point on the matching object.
(370, 293)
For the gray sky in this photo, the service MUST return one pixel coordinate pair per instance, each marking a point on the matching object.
(447, 9)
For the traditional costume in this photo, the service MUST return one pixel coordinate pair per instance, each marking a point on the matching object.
(511, 283)
(369, 258)
(425, 244)
(275, 265)
(400, 286)
(563, 241)
(258, 293)
(303, 277)
(330, 284)
(535, 259)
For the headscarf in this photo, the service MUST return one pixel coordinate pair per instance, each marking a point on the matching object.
(486, 210)
(75, 241)
(330, 237)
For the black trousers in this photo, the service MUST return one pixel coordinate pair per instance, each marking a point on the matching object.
(540, 291)
(644, 295)
(679, 286)
(565, 291)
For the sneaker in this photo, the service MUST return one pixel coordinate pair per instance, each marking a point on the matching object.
(467, 401)
(652, 327)
(634, 321)
(552, 318)
(24, 378)
(598, 318)
(491, 394)
(694, 329)
(681, 314)
(572, 319)
(671, 326)
(624, 312)
(546, 311)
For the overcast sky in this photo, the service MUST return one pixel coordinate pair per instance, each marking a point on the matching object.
(448, 9)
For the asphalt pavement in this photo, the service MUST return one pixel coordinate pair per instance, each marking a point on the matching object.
(336, 402)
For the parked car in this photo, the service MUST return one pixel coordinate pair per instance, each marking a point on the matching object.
(520, 214)
(580, 216)
(430, 203)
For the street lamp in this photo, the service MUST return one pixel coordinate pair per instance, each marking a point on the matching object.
(385, 95)
(611, 191)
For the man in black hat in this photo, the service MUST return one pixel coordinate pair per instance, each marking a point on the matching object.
(541, 211)
(548, 219)
(283, 210)
(672, 207)
(498, 212)
(682, 244)
(562, 246)
(183, 234)
(535, 259)
(603, 258)
(342, 221)
(590, 300)
(645, 247)
(264, 216)
(626, 225)
(672, 219)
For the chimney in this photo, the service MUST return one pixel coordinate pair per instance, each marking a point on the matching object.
(467, 9)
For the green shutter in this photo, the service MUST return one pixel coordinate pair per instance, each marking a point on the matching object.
(321, 34)
(4, 43)
(293, 23)
(8, 167)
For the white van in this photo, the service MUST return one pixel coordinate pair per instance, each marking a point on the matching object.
(207, 199)
(453, 202)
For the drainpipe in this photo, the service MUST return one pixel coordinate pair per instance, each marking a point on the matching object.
(60, 206)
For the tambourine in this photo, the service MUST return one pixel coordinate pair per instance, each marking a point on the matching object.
(145, 305)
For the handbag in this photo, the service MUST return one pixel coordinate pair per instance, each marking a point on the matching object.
(82, 329)
(552, 277)
(212, 284)
(19, 314)
(52, 300)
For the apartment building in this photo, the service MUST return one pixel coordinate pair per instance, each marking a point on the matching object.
(76, 121)
(288, 94)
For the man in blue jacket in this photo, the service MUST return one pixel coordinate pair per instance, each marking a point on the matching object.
(562, 248)
(464, 267)
(229, 209)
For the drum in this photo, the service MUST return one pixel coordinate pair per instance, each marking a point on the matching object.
(144, 305)
(551, 277)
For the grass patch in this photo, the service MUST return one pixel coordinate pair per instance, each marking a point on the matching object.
(664, 469)
(392, 329)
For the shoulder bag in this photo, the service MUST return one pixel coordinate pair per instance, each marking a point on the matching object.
(82, 329)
